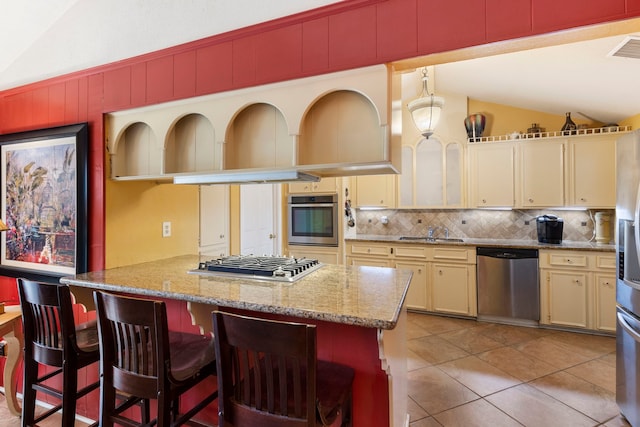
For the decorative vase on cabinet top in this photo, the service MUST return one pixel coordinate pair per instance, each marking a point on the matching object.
(569, 127)
(475, 126)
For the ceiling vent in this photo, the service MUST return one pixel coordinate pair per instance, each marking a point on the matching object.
(629, 48)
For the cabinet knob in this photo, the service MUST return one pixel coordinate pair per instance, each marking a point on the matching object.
(582, 199)
(530, 200)
(440, 272)
(578, 282)
(272, 236)
(484, 200)
(568, 261)
(382, 202)
(419, 271)
(222, 236)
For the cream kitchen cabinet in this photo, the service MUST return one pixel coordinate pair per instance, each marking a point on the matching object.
(325, 185)
(374, 191)
(443, 281)
(214, 220)
(577, 290)
(593, 171)
(453, 280)
(542, 173)
(491, 175)
(323, 254)
(432, 175)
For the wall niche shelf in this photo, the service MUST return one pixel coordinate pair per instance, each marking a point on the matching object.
(333, 123)
(557, 134)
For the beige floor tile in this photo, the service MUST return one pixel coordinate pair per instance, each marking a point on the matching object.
(440, 324)
(414, 330)
(550, 352)
(517, 363)
(533, 408)
(435, 350)
(415, 411)
(584, 344)
(509, 335)
(435, 391)
(617, 421)
(596, 372)
(415, 362)
(588, 398)
(470, 340)
(425, 422)
(478, 413)
(609, 359)
(476, 374)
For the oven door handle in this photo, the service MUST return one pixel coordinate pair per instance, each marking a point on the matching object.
(627, 327)
(312, 205)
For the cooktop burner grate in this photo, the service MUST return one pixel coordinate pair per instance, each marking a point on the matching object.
(259, 267)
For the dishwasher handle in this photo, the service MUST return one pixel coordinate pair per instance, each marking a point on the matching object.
(507, 253)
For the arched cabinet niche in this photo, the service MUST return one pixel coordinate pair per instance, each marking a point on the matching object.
(190, 146)
(135, 152)
(258, 137)
(341, 127)
(431, 175)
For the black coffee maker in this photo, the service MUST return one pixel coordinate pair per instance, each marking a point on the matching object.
(549, 229)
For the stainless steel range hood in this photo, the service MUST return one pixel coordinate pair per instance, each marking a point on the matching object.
(246, 176)
(309, 173)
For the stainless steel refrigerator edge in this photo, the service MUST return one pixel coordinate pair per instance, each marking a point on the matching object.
(628, 277)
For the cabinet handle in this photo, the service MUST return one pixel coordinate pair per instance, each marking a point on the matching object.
(368, 250)
(222, 236)
(272, 236)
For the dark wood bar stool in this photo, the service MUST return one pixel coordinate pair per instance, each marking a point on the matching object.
(142, 359)
(268, 376)
(51, 338)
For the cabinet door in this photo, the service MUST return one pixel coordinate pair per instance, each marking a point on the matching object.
(214, 215)
(542, 173)
(325, 185)
(593, 172)
(567, 293)
(605, 297)
(450, 288)
(417, 293)
(324, 255)
(492, 175)
(375, 191)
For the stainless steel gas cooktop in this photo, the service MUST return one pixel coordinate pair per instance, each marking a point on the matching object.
(275, 268)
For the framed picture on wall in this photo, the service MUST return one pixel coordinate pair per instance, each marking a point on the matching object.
(43, 185)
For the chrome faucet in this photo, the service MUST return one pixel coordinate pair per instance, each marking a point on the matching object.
(446, 232)
(430, 233)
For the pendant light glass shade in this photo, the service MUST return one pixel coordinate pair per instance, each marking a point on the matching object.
(425, 110)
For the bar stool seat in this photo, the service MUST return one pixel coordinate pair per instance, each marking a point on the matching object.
(52, 338)
(142, 359)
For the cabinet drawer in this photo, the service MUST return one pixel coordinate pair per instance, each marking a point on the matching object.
(370, 250)
(568, 260)
(607, 262)
(454, 254)
(419, 252)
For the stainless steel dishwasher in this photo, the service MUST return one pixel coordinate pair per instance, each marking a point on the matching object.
(508, 286)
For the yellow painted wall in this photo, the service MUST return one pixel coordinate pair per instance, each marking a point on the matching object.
(135, 211)
(633, 121)
(505, 119)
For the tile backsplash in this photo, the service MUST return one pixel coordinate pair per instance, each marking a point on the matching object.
(477, 223)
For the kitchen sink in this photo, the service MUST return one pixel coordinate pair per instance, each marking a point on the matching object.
(432, 239)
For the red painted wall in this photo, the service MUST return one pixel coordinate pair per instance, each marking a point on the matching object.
(350, 34)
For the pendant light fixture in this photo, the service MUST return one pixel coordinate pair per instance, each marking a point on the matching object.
(425, 110)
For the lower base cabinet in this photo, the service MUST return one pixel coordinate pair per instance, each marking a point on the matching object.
(444, 277)
(577, 290)
(325, 255)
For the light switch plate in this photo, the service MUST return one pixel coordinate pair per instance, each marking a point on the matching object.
(166, 229)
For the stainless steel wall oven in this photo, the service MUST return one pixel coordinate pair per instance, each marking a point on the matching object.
(313, 219)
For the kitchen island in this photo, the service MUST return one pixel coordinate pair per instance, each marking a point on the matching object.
(359, 313)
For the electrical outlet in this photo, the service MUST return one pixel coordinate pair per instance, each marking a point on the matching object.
(526, 223)
(166, 229)
(583, 223)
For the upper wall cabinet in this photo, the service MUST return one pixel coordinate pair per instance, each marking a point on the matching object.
(330, 125)
(431, 175)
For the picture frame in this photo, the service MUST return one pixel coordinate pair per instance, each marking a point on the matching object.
(43, 202)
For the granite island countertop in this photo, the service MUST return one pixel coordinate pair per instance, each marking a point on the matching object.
(363, 296)
(504, 243)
